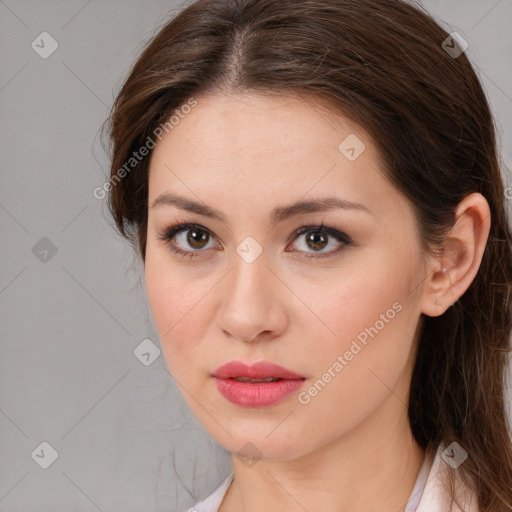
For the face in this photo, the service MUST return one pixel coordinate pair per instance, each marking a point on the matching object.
(332, 294)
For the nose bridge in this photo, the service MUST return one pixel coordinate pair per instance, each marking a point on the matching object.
(249, 281)
(249, 305)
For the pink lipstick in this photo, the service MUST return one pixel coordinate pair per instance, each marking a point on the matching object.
(257, 385)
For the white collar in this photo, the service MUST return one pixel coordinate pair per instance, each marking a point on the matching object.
(436, 494)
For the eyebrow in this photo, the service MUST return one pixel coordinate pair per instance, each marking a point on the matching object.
(278, 214)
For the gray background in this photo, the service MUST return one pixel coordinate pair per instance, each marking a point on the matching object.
(71, 320)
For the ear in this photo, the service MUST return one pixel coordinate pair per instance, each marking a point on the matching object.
(450, 274)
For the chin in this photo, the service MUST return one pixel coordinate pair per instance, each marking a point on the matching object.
(255, 446)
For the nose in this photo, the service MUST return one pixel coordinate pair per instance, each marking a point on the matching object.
(252, 306)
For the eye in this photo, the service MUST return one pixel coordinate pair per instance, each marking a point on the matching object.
(318, 237)
(181, 237)
(193, 235)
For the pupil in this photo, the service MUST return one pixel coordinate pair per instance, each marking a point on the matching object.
(197, 242)
(312, 238)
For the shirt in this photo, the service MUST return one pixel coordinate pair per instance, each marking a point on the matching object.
(429, 494)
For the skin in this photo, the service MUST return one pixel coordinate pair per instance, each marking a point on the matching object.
(350, 447)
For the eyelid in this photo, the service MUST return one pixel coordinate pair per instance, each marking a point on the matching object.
(339, 235)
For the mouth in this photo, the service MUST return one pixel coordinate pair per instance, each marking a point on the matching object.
(258, 385)
(255, 381)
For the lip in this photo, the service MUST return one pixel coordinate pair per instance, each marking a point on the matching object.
(259, 370)
(262, 394)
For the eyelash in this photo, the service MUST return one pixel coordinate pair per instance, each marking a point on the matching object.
(170, 232)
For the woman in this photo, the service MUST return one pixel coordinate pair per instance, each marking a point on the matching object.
(315, 191)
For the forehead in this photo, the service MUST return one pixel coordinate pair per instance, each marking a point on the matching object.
(238, 136)
(249, 121)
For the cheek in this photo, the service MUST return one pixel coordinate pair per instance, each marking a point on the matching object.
(356, 369)
(177, 309)
(361, 301)
(369, 321)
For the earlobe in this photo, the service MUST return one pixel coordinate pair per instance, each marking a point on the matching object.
(453, 271)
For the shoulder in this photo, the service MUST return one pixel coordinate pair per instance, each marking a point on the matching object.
(436, 495)
(214, 499)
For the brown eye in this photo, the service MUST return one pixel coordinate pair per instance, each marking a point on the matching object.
(191, 240)
(316, 241)
(186, 239)
(317, 238)
(197, 238)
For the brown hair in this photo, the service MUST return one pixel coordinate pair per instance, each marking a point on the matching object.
(381, 63)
